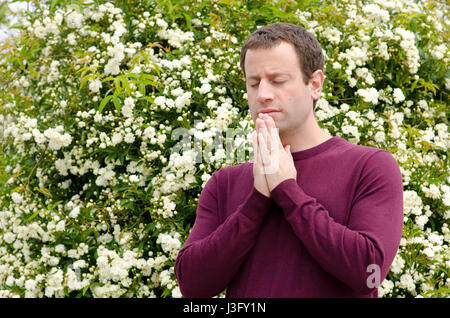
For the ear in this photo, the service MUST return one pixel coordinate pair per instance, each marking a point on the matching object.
(316, 84)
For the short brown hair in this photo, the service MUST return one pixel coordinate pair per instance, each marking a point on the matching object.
(308, 49)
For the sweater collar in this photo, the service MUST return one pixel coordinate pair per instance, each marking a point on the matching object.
(313, 151)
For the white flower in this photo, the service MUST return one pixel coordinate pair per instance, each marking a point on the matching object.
(71, 39)
(9, 237)
(421, 220)
(185, 75)
(57, 140)
(446, 196)
(337, 66)
(407, 43)
(177, 91)
(116, 138)
(332, 34)
(369, 95)
(407, 282)
(161, 23)
(183, 100)
(40, 32)
(134, 178)
(423, 104)
(60, 226)
(129, 138)
(383, 51)
(176, 292)
(112, 67)
(398, 95)
(206, 88)
(16, 197)
(161, 139)
(375, 12)
(127, 109)
(81, 263)
(380, 137)
(432, 191)
(30, 284)
(439, 51)
(412, 203)
(212, 104)
(60, 248)
(397, 264)
(168, 243)
(75, 212)
(10, 280)
(351, 130)
(104, 175)
(95, 85)
(160, 101)
(428, 252)
(149, 132)
(447, 84)
(74, 20)
(117, 51)
(54, 283)
(385, 288)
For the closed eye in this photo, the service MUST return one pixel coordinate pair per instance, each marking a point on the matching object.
(279, 82)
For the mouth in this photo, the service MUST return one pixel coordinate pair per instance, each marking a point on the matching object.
(269, 111)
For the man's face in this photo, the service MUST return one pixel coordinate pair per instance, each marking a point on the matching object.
(274, 82)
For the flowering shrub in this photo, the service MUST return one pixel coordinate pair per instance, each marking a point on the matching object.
(114, 115)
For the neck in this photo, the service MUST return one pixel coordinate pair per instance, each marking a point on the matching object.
(306, 136)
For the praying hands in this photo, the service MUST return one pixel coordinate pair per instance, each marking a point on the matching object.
(273, 162)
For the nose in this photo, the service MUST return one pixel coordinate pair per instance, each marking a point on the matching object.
(265, 91)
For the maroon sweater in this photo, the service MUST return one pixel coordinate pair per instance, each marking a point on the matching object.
(315, 237)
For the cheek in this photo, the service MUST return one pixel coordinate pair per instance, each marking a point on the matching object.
(250, 98)
(251, 108)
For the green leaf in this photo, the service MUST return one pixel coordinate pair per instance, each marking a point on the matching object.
(142, 89)
(109, 78)
(44, 191)
(85, 79)
(188, 20)
(104, 102)
(33, 215)
(116, 102)
(110, 157)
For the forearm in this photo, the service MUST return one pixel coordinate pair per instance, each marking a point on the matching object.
(342, 251)
(205, 266)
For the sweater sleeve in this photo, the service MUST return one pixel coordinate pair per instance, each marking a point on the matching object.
(213, 252)
(372, 234)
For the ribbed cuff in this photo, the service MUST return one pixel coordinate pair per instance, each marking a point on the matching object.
(287, 193)
(256, 205)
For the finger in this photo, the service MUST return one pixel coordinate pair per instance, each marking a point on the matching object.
(261, 127)
(257, 168)
(259, 123)
(274, 135)
(266, 136)
(287, 148)
(263, 152)
(255, 148)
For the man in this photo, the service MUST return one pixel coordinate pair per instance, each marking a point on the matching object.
(313, 215)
